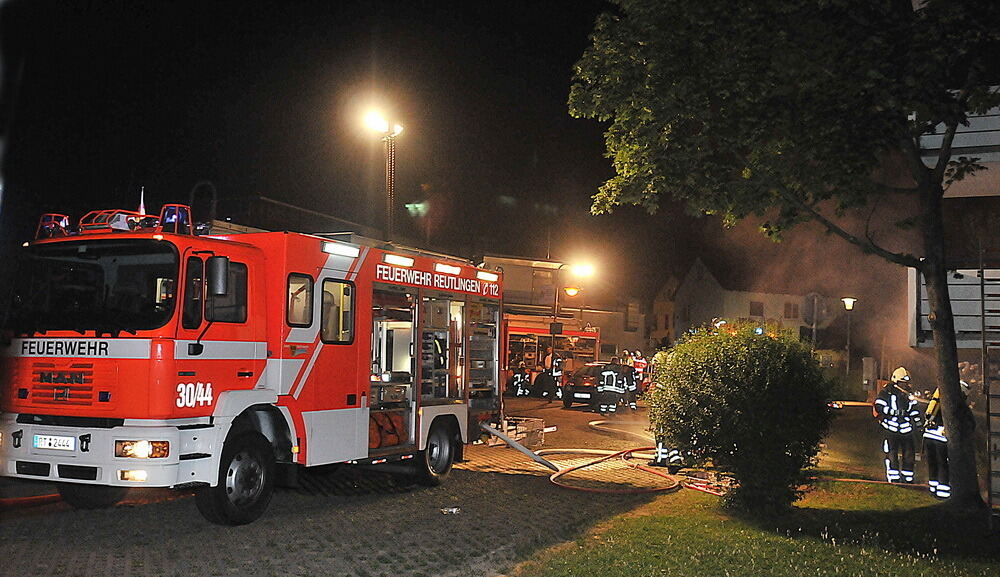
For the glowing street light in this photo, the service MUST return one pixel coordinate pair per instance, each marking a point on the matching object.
(389, 131)
(849, 306)
(577, 270)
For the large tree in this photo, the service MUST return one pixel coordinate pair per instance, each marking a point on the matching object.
(789, 109)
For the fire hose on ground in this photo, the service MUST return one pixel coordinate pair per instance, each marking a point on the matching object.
(676, 481)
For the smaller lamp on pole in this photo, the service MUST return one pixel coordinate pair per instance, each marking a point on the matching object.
(577, 270)
(848, 306)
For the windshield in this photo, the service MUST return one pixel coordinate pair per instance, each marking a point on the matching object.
(108, 286)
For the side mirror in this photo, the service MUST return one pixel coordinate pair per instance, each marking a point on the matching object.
(217, 273)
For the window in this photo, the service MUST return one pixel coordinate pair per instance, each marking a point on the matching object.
(791, 310)
(756, 309)
(193, 285)
(337, 316)
(232, 306)
(103, 285)
(298, 308)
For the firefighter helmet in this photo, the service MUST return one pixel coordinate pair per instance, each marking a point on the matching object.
(900, 374)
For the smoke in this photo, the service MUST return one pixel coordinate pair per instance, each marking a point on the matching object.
(809, 259)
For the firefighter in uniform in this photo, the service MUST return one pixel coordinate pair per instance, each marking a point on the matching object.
(898, 414)
(612, 383)
(666, 456)
(551, 376)
(520, 381)
(639, 366)
(936, 446)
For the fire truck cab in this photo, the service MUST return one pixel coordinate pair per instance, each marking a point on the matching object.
(144, 355)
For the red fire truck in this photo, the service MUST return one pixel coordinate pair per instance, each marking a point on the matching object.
(140, 354)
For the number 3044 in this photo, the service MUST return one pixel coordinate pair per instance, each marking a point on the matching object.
(194, 394)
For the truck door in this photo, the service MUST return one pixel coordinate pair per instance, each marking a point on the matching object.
(391, 396)
(336, 420)
(218, 347)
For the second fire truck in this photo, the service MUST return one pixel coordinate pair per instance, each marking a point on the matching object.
(144, 355)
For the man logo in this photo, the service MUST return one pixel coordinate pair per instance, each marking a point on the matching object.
(61, 393)
(68, 378)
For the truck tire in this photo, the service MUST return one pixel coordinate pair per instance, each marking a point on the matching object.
(435, 461)
(246, 482)
(91, 496)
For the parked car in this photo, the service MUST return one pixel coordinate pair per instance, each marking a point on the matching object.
(581, 386)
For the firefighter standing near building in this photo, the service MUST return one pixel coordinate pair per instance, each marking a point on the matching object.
(899, 416)
(936, 446)
(641, 366)
(551, 375)
(612, 383)
(520, 380)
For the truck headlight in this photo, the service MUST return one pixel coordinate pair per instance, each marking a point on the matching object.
(142, 449)
(138, 476)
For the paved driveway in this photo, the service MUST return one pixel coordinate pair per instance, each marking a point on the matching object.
(337, 523)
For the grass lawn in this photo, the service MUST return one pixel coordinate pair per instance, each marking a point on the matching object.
(838, 529)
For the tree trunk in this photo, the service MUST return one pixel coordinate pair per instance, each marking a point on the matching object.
(958, 420)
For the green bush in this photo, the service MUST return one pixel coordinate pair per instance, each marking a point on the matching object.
(754, 405)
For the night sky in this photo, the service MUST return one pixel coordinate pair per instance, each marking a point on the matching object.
(267, 99)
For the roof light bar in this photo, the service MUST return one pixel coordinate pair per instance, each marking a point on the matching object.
(447, 268)
(341, 249)
(398, 260)
(487, 276)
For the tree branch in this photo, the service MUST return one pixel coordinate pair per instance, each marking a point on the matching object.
(917, 167)
(866, 245)
(868, 221)
(944, 154)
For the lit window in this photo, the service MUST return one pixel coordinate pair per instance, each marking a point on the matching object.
(299, 304)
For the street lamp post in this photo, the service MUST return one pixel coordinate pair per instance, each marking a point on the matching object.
(389, 132)
(580, 270)
(849, 306)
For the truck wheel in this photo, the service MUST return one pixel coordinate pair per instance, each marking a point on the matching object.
(246, 482)
(91, 496)
(434, 462)
(567, 398)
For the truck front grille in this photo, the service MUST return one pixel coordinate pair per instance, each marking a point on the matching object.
(62, 384)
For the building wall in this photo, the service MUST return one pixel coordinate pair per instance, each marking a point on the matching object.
(614, 336)
(698, 300)
(737, 305)
(661, 318)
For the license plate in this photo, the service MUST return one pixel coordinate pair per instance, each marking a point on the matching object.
(582, 395)
(55, 442)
